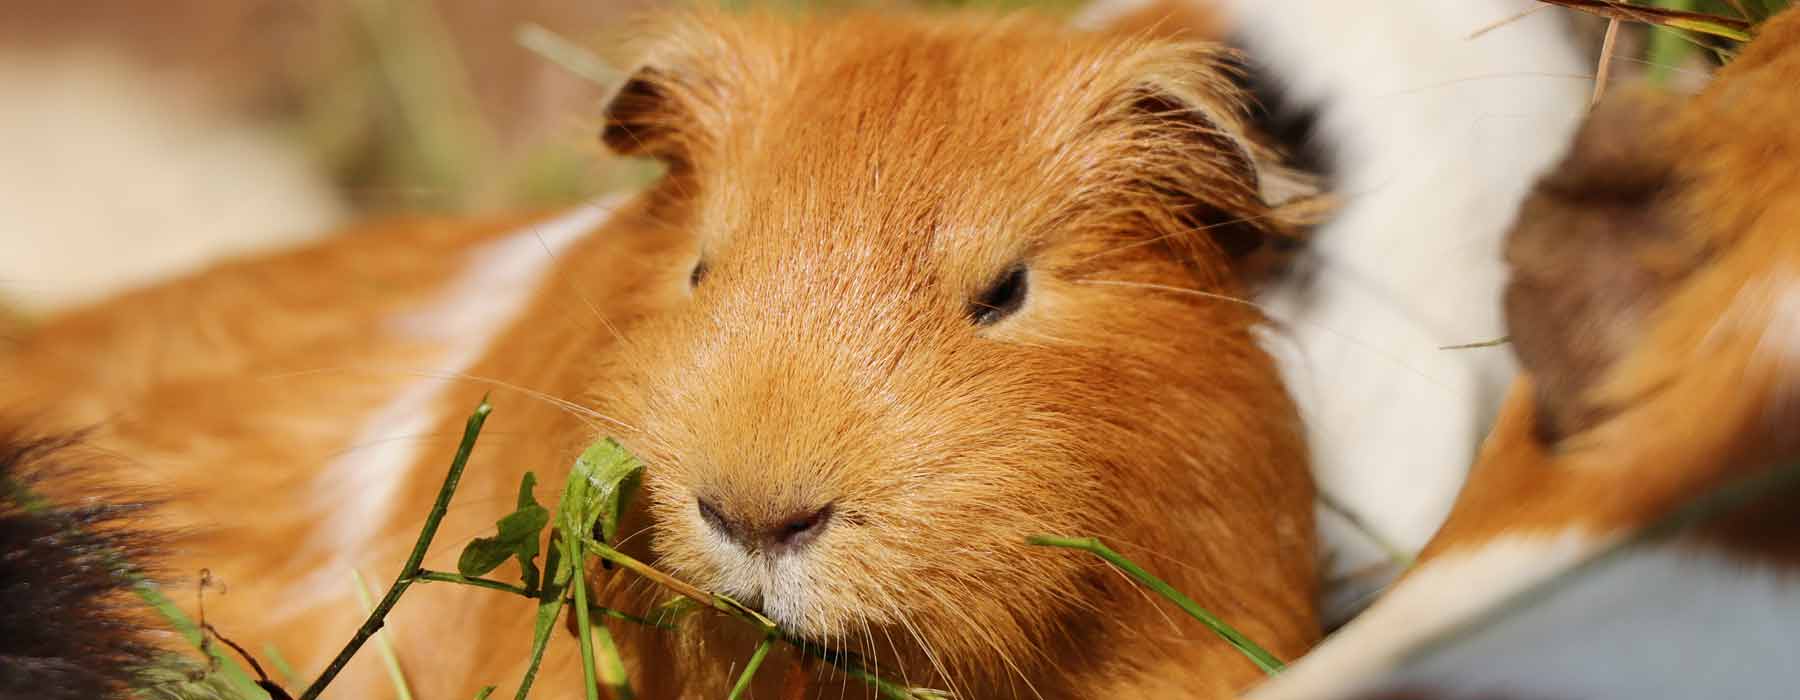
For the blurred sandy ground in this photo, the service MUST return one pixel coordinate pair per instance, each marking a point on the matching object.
(142, 139)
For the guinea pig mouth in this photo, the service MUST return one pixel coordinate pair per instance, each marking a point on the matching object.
(778, 589)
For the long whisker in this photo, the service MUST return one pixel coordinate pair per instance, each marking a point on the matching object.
(581, 290)
(570, 407)
(1267, 314)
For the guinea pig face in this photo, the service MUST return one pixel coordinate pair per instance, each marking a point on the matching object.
(950, 290)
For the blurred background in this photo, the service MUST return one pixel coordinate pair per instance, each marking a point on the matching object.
(141, 139)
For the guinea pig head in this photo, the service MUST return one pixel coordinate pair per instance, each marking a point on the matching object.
(956, 283)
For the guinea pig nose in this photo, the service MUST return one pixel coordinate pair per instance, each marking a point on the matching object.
(800, 529)
(787, 533)
(716, 519)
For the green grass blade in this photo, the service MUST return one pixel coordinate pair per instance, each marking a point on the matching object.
(749, 674)
(281, 665)
(235, 677)
(382, 642)
(548, 612)
(1668, 48)
(612, 666)
(1257, 655)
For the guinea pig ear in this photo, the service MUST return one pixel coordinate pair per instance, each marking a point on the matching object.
(668, 107)
(638, 122)
(1232, 191)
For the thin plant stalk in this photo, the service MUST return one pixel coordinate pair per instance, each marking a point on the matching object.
(584, 631)
(723, 604)
(383, 642)
(612, 666)
(1257, 655)
(476, 581)
(410, 571)
(749, 674)
(568, 55)
(1603, 72)
(235, 676)
(548, 611)
(712, 600)
(1728, 27)
(628, 617)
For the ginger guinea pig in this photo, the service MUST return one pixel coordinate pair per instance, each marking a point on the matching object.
(914, 289)
(955, 283)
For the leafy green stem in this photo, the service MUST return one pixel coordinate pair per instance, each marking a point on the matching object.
(409, 572)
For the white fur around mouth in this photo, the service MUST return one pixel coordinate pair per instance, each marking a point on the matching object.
(778, 586)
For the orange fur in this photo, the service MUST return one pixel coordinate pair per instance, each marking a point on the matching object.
(851, 184)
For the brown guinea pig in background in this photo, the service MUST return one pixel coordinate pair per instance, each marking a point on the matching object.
(913, 289)
(1631, 528)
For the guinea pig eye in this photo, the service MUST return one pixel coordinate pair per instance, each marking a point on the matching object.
(1001, 298)
(697, 274)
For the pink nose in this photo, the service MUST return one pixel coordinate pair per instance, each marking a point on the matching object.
(789, 533)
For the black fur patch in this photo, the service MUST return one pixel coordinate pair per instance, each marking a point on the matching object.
(70, 627)
(1293, 127)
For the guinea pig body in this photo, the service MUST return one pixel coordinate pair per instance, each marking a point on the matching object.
(894, 309)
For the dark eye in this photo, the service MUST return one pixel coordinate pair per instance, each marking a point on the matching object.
(1001, 298)
(698, 274)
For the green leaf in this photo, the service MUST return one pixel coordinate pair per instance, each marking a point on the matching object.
(527, 548)
(484, 554)
(517, 535)
(600, 489)
(485, 692)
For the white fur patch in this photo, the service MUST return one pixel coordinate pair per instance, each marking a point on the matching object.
(1769, 306)
(1436, 137)
(1670, 622)
(1438, 595)
(358, 489)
